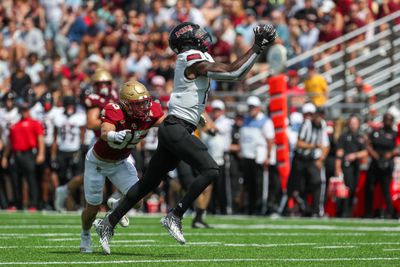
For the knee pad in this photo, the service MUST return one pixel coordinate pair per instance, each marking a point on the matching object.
(211, 174)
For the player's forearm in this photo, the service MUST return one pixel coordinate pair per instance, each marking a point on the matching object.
(237, 70)
(107, 132)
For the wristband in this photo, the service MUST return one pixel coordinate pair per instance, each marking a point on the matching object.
(111, 136)
(256, 49)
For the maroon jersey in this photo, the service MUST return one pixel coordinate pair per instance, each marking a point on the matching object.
(112, 113)
(98, 101)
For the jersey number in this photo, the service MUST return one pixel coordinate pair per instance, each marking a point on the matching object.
(130, 141)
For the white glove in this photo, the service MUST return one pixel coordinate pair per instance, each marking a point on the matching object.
(118, 137)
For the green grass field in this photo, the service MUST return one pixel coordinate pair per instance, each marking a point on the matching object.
(53, 240)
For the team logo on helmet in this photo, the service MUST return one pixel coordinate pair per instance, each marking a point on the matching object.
(184, 30)
(135, 100)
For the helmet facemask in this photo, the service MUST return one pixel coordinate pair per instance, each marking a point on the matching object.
(103, 88)
(138, 109)
(204, 39)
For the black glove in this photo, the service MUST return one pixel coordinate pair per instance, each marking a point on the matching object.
(264, 35)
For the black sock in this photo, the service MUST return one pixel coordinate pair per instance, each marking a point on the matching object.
(133, 196)
(197, 186)
(199, 215)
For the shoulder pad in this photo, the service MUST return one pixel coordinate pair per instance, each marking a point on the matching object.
(194, 56)
(92, 100)
(112, 113)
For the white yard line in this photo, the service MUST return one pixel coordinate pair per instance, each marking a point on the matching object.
(308, 227)
(40, 226)
(270, 245)
(334, 247)
(391, 249)
(133, 241)
(76, 234)
(114, 241)
(197, 260)
(212, 244)
(235, 226)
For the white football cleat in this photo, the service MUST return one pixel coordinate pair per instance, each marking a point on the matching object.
(86, 243)
(105, 231)
(112, 203)
(60, 197)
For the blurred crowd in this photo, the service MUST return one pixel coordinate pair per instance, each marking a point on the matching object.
(51, 45)
(49, 50)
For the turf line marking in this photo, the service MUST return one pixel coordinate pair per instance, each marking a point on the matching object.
(391, 249)
(334, 247)
(194, 234)
(235, 226)
(306, 227)
(133, 241)
(114, 241)
(196, 260)
(211, 244)
(270, 245)
(40, 226)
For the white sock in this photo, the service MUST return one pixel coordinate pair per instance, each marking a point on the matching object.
(86, 232)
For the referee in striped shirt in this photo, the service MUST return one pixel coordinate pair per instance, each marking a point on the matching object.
(307, 175)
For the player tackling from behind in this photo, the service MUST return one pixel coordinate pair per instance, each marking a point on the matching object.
(193, 71)
(124, 124)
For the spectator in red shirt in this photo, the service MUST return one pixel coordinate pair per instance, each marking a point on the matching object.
(26, 146)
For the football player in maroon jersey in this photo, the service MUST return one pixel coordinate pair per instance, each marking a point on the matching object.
(123, 125)
(103, 93)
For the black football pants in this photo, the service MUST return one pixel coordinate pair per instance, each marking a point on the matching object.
(377, 175)
(175, 143)
(25, 168)
(304, 178)
(351, 174)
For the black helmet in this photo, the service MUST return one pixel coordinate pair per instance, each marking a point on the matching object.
(188, 36)
(69, 100)
(9, 95)
(47, 101)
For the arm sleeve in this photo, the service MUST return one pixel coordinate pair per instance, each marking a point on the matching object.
(236, 74)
